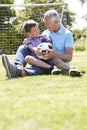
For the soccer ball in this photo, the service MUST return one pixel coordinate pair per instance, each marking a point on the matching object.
(44, 48)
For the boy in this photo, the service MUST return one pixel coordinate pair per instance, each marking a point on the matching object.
(32, 30)
(38, 66)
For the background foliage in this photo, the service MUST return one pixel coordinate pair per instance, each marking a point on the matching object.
(11, 21)
(6, 1)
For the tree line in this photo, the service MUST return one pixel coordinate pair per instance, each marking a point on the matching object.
(11, 21)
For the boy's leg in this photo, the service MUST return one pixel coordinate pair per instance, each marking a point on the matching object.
(11, 70)
(34, 70)
(21, 53)
(37, 62)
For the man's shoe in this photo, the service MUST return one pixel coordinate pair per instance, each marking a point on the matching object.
(11, 70)
(60, 71)
(56, 71)
(75, 73)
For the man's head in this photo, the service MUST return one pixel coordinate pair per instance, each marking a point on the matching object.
(52, 20)
(31, 28)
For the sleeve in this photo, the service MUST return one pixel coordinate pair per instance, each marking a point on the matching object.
(46, 39)
(69, 41)
(29, 42)
(46, 32)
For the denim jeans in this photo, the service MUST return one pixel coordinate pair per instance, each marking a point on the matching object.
(34, 70)
(21, 53)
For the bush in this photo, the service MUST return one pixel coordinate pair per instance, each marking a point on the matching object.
(81, 44)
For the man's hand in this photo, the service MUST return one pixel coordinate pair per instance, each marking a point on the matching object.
(51, 54)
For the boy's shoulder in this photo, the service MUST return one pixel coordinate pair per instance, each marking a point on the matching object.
(43, 36)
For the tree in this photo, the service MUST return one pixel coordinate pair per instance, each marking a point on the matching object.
(36, 13)
(11, 31)
(82, 1)
(9, 38)
(42, 1)
(5, 13)
(6, 1)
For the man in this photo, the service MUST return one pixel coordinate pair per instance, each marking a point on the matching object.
(62, 40)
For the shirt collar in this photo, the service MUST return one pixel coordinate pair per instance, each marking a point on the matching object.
(60, 30)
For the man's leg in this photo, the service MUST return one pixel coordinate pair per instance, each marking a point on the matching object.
(75, 72)
(66, 69)
(34, 70)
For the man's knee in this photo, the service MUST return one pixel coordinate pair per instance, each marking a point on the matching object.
(57, 61)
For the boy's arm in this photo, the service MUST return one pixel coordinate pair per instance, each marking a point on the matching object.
(25, 41)
(34, 49)
(31, 47)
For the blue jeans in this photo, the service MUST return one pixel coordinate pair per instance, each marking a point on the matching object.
(21, 53)
(34, 70)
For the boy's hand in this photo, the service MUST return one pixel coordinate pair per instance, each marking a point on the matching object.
(25, 41)
(37, 52)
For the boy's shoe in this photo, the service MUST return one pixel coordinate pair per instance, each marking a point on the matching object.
(75, 72)
(11, 70)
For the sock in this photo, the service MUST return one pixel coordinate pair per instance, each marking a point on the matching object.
(51, 68)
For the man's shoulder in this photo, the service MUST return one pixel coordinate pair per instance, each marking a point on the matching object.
(66, 30)
(46, 32)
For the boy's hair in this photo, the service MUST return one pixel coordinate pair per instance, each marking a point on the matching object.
(29, 24)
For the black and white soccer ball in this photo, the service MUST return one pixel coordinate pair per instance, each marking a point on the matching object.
(44, 48)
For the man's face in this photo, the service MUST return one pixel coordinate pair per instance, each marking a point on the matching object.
(49, 23)
(34, 33)
(52, 25)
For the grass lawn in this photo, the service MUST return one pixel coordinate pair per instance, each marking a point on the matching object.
(48, 102)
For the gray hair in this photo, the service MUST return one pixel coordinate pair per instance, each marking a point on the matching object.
(53, 14)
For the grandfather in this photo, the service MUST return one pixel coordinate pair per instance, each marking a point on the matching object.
(62, 41)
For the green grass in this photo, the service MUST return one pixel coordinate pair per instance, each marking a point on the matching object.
(45, 102)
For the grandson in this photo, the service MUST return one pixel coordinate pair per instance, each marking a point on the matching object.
(32, 30)
(38, 66)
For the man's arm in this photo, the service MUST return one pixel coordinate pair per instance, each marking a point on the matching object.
(65, 57)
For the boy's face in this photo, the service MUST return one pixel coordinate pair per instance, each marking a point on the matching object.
(34, 33)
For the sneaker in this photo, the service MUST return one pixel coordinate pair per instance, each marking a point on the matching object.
(56, 71)
(11, 70)
(75, 72)
(60, 71)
